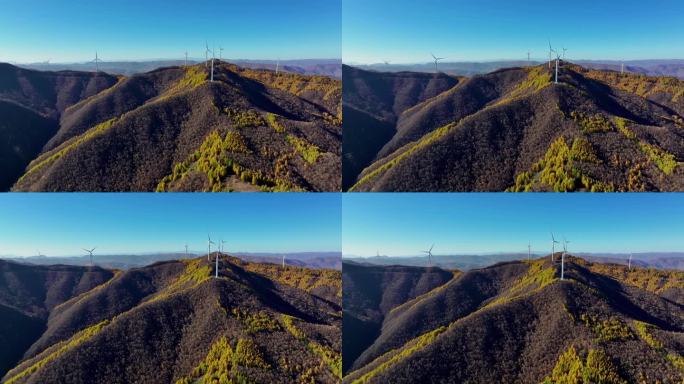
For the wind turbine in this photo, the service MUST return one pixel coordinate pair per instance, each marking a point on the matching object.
(529, 250)
(528, 58)
(283, 260)
(186, 58)
(553, 246)
(429, 253)
(206, 54)
(209, 243)
(39, 255)
(436, 60)
(558, 56)
(186, 251)
(277, 65)
(97, 63)
(550, 51)
(565, 250)
(213, 56)
(90, 252)
(629, 263)
(622, 69)
(564, 50)
(220, 53)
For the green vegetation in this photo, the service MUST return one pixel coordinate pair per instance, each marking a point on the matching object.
(306, 150)
(597, 369)
(329, 356)
(404, 152)
(195, 273)
(194, 76)
(664, 160)
(396, 355)
(255, 322)
(557, 170)
(244, 119)
(221, 365)
(55, 352)
(592, 124)
(607, 330)
(652, 280)
(273, 122)
(68, 146)
(537, 79)
(641, 85)
(425, 295)
(212, 159)
(295, 84)
(536, 278)
(643, 330)
(302, 278)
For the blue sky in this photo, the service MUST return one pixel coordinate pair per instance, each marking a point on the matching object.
(67, 31)
(402, 224)
(407, 31)
(62, 224)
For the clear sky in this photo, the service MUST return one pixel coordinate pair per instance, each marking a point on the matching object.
(403, 224)
(72, 30)
(62, 224)
(407, 31)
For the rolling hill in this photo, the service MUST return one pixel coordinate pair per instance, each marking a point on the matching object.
(517, 322)
(515, 130)
(172, 129)
(173, 322)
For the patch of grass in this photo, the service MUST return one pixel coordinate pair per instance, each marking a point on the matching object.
(536, 278)
(664, 160)
(194, 76)
(306, 150)
(273, 122)
(607, 330)
(69, 146)
(59, 350)
(592, 124)
(302, 278)
(409, 349)
(255, 322)
(642, 330)
(329, 356)
(244, 118)
(404, 152)
(222, 363)
(572, 369)
(537, 79)
(650, 279)
(195, 273)
(557, 171)
(641, 85)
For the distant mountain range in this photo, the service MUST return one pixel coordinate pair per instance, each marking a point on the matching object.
(255, 323)
(513, 322)
(673, 67)
(171, 129)
(322, 67)
(658, 260)
(513, 129)
(324, 260)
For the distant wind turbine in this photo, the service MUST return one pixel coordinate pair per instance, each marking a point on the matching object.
(550, 52)
(529, 250)
(622, 69)
(209, 243)
(564, 50)
(528, 58)
(186, 251)
(90, 252)
(437, 59)
(97, 63)
(565, 250)
(186, 58)
(429, 253)
(277, 65)
(283, 260)
(553, 246)
(206, 54)
(629, 263)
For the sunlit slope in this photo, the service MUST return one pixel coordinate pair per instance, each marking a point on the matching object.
(518, 322)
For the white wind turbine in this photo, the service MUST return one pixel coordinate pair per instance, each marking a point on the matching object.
(186, 251)
(186, 58)
(277, 65)
(429, 253)
(209, 243)
(437, 59)
(90, 252)
(283, 260)
(97, 63)
(529, 250)
(206, 54)
(565, 250)
(550, 52)
(553, 246)
(629, 263)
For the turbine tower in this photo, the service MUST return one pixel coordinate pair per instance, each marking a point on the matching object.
(90, 252)
(629, 263)
(437, 59)
(553, 246)
(622, 69)
(283, 260)
(528, 58)
(206, 54)
(213, 56)
(186, 58)
(529, 250)
(97, 63)
(429, 253)
(186, 251)
(277, 65)
(220, 53)
(209, 243)
(564, 50)
(565, 250)
(550, 51)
